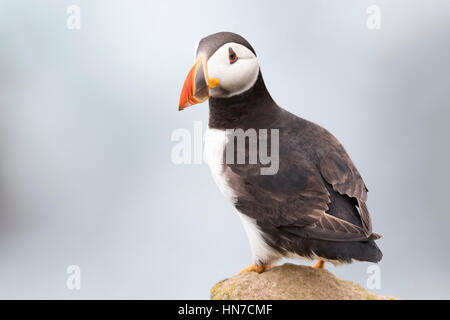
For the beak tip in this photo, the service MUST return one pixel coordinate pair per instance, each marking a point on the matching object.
(183, 105)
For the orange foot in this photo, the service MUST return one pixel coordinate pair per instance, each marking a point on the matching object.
(253, 267)
(319, 265)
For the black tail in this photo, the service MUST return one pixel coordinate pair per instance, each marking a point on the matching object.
(347, 251)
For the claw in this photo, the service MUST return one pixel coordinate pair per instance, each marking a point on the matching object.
(320, 264)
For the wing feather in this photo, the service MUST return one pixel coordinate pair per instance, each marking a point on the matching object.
(339, 171)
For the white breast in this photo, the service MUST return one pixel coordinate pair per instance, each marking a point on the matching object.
(215, 141)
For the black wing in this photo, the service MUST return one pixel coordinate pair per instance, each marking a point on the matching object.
(296, 198)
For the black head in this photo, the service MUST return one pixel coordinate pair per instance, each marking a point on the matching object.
(208, 45)
(226, 65)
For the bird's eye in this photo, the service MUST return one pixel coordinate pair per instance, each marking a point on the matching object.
(232, 56)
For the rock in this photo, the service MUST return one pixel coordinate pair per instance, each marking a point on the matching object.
(290, 282)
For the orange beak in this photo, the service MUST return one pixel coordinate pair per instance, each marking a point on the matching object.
(196, 86)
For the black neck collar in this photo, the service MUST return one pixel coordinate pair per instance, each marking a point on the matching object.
(253, 108)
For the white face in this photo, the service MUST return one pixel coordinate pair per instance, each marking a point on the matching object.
(234, 77)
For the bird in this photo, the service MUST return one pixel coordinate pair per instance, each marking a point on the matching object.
(314, 206)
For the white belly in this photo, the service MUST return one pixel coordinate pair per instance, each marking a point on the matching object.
(215, 142)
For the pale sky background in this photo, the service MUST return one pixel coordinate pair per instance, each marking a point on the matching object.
(86, 117)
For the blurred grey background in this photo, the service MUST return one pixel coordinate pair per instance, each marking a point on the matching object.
(86, 118)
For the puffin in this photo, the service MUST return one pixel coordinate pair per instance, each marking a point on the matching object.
(314, 206)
